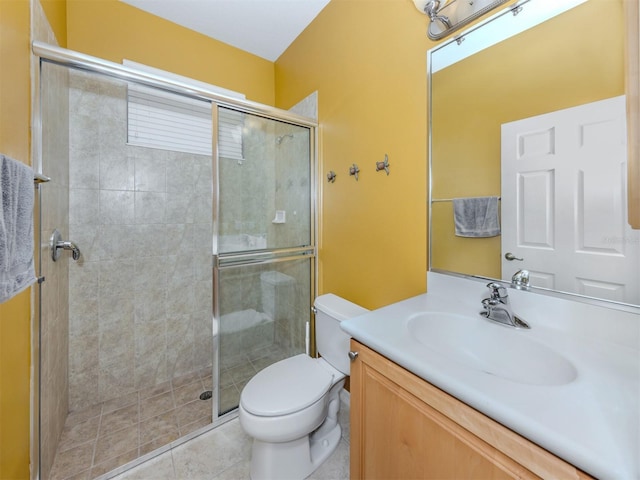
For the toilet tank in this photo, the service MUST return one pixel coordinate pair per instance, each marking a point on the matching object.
(331, 341)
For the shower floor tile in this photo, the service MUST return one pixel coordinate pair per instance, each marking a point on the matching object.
(103, 437)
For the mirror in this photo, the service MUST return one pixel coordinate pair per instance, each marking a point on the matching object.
(528, 107)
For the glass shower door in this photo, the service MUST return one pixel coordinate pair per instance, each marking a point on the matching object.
(264, 266)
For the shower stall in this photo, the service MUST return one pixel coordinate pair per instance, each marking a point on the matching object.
(194, 215)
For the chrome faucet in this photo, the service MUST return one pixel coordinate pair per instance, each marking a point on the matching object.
(520, 280)
(498, 309)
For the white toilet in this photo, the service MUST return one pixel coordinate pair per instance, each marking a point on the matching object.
(291, 407)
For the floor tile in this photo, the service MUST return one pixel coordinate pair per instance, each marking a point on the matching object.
(77, 416)
(119, 419)
(76, 434)
(120, 402)
(193, 411)
(239, 471)
(212, 453)
(197, 425)
(116, 444)
(154, 406)
(162, 425)
(72, 461)
(113, 463)
(158, 468)
(155, 390)
(188, 393)
(185, 379)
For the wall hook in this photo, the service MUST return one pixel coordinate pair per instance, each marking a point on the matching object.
(383, 165)
(354, 170)
(331, 176)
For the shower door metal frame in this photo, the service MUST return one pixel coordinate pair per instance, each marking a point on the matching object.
(268, 256)
(46, 53)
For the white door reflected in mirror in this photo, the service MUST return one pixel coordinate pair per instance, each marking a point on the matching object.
(564, 197)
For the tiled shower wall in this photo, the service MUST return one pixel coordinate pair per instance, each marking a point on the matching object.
(140, 297)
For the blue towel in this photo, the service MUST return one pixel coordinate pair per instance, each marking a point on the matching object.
(17, 270)
(476, 217)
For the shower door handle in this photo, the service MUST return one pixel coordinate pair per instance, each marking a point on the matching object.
(56, 243)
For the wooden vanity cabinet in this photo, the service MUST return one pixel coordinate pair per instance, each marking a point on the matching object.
(404, 428)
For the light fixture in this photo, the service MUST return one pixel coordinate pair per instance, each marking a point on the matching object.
(447, 16)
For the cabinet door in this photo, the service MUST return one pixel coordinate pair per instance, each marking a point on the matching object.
(396, 435)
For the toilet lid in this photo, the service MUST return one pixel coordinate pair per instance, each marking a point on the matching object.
(287, 386)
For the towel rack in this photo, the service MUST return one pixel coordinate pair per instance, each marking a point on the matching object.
(38, 178)
(436, 200)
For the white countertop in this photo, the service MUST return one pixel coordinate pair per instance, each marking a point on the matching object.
(593, 422)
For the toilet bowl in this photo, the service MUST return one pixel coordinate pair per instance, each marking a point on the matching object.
(290, 408)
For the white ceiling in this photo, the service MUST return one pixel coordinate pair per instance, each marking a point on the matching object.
(265, 28)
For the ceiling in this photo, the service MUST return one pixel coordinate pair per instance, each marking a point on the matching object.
(264, 28)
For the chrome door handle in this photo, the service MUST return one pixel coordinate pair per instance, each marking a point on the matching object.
(353, 356)
(510, 256)
(56, 243)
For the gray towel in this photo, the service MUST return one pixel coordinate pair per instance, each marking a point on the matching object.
(476, 217)
(17, 270)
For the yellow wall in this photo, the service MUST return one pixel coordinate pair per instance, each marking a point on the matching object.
(15, 316)
(367, 60)
(56, 12)
(113, 30)
(541, 70)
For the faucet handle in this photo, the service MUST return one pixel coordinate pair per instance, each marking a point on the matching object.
(497, 291)
(520, 279)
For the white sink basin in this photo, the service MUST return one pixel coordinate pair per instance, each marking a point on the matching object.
(493, 349)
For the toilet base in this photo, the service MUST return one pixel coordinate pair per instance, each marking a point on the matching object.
(293, 460)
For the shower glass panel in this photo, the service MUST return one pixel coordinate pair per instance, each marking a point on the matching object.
(264, 168)
(262, 319)
(264, 266)
(139, 333)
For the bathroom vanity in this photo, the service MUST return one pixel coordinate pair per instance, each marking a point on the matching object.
(412, 429)
(438, 391)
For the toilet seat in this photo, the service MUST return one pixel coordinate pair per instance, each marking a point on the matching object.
(286, 387)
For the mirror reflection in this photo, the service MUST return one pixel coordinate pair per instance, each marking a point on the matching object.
(537, 122)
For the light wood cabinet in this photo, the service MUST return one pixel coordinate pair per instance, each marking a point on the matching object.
(405, 428)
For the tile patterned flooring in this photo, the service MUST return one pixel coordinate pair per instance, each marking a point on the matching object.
(108, 435)
(224, 454)
(97, 440)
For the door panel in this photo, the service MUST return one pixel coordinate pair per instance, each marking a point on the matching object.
(563, 202)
